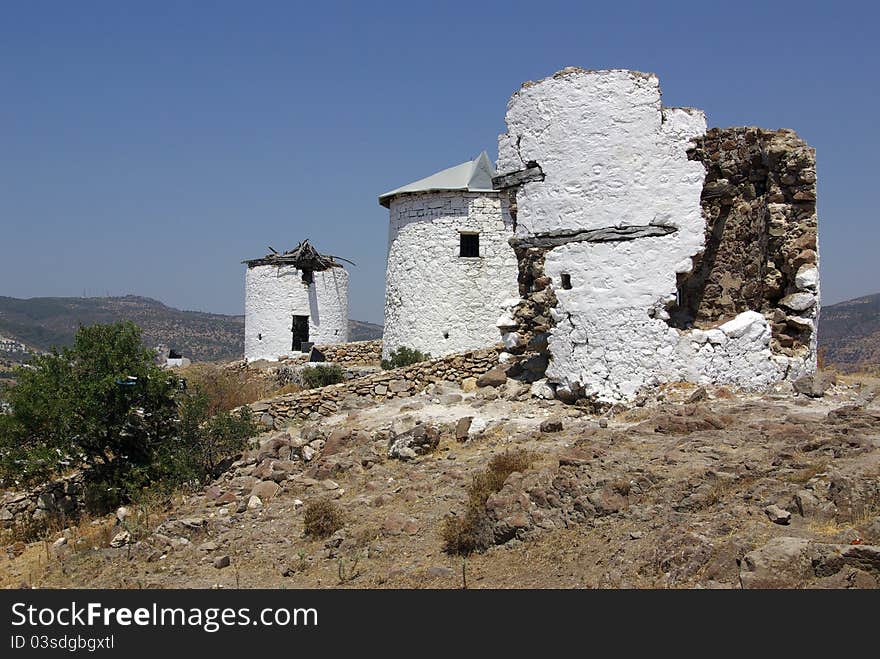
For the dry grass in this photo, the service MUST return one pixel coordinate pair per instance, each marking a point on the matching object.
(804, 474)
(322, 518)
(473, 531)
(289, 388)
(226, 388)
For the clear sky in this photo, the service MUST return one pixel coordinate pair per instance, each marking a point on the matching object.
(149, 147)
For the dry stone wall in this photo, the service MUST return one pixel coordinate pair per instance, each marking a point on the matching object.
(55, 499)
(355, 353)
(396, 383)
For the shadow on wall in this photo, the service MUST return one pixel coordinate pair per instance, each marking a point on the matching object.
(313, 306)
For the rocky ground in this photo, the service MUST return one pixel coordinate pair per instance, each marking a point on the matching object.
(690, 488)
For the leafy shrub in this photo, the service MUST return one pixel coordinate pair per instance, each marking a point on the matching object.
(104, 407)
(101, 405)
(473, 530)
(322, 518)
(404, 356)
(321, 375)
(207, 440)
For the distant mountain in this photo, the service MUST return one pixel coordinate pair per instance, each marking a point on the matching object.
(849, 333)
(360, 330)
(47, 321)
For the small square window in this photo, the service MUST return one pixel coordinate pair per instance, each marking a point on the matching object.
(469, 244)
(566, 281)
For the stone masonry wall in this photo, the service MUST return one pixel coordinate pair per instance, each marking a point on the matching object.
(354, 353)
(274, 294)
(612, 209)
(62, 497)
(761, 253)
(435, 300)
(396, 383)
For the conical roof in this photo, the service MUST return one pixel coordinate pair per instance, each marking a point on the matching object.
(473, 176)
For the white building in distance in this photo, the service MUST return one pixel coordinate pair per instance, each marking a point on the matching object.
(292, 301)
(450, 268)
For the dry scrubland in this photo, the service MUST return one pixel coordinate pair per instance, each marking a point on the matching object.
(689, 488)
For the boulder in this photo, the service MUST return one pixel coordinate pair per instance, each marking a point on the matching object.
(781, 563)
(493, 378)
(265, 490)
(421, 439)
(777, 515)
(541, 389)
(121, 539)
(551, 425)
(462, 428)
(814, 385)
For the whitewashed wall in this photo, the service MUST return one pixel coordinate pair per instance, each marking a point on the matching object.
(273, 295)
(436, 301)
(613, 156)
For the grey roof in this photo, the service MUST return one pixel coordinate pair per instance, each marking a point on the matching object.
(474, 176)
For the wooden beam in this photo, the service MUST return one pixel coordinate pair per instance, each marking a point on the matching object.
(532, 173)
(604, 235)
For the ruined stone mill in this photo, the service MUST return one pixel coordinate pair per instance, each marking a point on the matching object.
(616, 244)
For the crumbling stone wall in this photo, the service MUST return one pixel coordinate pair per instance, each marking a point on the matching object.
(55, 499)
(761, 249)
(396, 383)
(611, 206)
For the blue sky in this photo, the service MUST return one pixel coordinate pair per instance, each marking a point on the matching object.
(149, 147)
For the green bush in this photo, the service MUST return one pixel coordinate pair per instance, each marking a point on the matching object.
(104, 407)
(404, 356)
(101, 405)
(207, 440)
(321, 376)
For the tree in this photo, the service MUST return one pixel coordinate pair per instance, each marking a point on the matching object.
(102, 405)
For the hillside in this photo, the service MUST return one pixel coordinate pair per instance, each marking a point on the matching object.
(736, 491)
(359, 330)
(43, 322)
(849, 333)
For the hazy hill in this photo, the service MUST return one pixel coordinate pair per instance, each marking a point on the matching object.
(360, 330)
(47, 321)
(849, 333)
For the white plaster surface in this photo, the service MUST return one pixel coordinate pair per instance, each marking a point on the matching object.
(606, 147)
(273, 295)
(612, 156)
(435, 300)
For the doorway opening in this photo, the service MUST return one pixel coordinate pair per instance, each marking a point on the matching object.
(300, 330)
